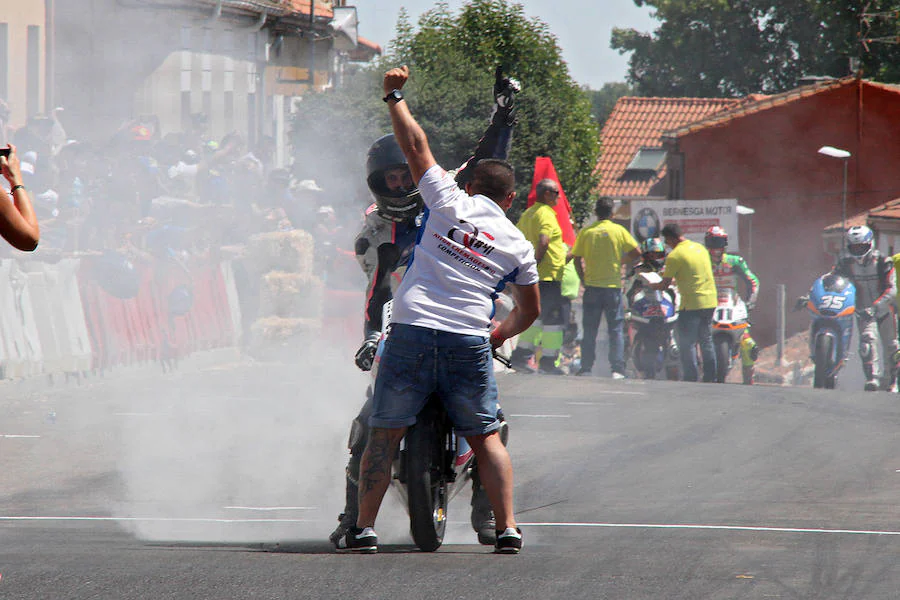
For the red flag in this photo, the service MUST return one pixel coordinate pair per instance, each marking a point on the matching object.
(544, 169)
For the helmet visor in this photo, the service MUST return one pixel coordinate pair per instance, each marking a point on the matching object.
(716, 242)
(859, 250)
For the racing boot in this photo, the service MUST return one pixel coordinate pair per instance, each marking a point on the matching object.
(347, 519)
(482, 516)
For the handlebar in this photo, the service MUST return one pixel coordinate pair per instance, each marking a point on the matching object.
(502, 359)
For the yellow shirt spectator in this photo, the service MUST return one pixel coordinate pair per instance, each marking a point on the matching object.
(896, 259)
(602, 246)
(690, 266)
(540, 219)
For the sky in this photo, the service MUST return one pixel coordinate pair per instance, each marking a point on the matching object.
(582, 28)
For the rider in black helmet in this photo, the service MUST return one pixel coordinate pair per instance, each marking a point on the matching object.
(389, 179)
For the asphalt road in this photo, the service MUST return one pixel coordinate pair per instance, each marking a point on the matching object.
(225, 482)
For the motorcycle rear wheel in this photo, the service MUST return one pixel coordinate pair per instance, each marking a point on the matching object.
(427, 488)
(823, 352)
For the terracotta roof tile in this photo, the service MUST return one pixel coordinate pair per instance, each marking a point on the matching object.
(302, 6)
(888, 211)
(756, 103)
(365, 50)
(637, 123)
(279, 8)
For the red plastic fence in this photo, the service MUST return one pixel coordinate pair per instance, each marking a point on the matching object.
(143, 328)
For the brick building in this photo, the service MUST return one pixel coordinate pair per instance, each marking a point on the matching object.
(764, 152)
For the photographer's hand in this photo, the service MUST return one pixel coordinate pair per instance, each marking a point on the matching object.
(9, 166)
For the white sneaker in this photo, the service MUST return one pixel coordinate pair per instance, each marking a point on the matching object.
(617, 375)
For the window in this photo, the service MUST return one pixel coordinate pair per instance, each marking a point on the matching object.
(646, 160)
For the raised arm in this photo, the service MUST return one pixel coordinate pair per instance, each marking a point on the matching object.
(18, 223)
(497, 139)
(408, 133)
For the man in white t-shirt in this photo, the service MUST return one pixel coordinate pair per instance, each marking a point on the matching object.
(440, 339)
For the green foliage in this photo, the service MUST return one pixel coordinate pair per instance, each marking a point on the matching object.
(452, 58)
(726, 48)
(603, 100)
(331, 132)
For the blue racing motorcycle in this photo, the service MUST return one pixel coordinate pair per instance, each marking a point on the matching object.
(650, 322)
(831, 304)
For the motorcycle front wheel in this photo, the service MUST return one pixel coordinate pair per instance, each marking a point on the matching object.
(427, 488)
(644, 357)
(823, 352)
(723, 358)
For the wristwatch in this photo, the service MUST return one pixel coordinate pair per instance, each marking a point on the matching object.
(396, 95)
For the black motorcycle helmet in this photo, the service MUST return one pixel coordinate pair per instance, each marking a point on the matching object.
(400, 205)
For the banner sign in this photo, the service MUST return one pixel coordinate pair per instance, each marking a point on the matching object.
(648, 217)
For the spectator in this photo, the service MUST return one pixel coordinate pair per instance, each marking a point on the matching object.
(18, 223)
(541, 228)
(599, 252)
(689, 265)
(302, 210)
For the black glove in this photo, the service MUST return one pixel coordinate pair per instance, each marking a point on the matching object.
(869, 312)
(754, 353)
(365, 356)
(801, 303)
(505, 89)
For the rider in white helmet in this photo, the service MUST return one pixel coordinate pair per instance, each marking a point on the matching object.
(876, 288)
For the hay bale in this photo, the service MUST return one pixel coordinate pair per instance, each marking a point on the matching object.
(290, 295)
(280, 329)
(275, 338)
(291, 251)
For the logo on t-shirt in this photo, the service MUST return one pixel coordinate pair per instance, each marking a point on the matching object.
(468, 235)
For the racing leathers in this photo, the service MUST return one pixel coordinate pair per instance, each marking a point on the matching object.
(732, 269)
(383, 248)
(876, 289)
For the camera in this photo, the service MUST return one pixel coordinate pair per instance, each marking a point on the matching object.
(5, 151)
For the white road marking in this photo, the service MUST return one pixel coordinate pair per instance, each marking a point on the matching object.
(545, 416)
(758, 528)
(16, 435)
(713, 527)
(156, 519)
(591, 403)
(263, 508)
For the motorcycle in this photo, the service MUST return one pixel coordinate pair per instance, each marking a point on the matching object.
(651, 320)
(831, 304)
(432, 465)
(730, 321)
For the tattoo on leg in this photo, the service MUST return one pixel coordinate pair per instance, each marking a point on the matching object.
(378, 467)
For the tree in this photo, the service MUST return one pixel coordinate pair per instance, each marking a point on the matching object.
(603, 100)
(725, 48)
(452, 60)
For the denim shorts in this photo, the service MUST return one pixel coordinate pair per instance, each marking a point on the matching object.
(417, 362)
